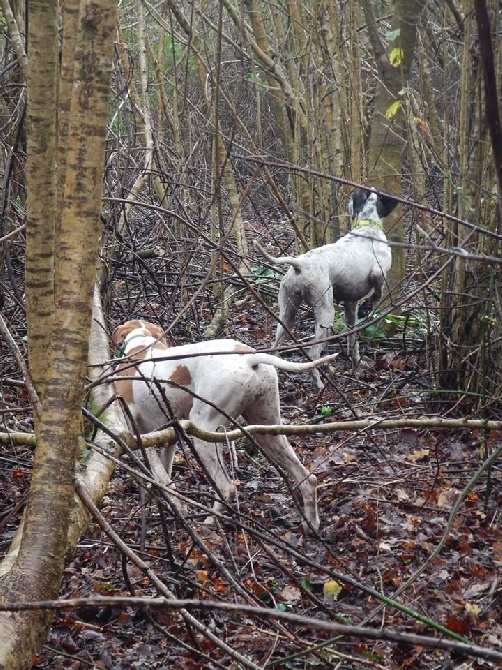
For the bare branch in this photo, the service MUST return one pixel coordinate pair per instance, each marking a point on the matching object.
(262, 613)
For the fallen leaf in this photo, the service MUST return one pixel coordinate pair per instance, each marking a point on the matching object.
(446, 498)
(456, 624)
(392, 110)
(396, 56)
(418, 455)
(290, 594)
(332, 589)
(472, 608)
(402, 495)
(497, 550)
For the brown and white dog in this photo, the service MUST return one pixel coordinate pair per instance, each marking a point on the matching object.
(198, 380)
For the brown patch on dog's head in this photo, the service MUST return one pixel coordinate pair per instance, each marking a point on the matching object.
(243, 349)
(121, 332)
(155, 331)
(181, 376)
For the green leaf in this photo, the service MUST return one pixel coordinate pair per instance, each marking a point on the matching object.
(260, 272)
(307, 585)
(374, 332)
(393, 34)
(265, 597)
(396, 57)
(391, 111)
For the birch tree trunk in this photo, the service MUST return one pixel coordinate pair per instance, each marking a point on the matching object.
(60, 280)
(42, 179)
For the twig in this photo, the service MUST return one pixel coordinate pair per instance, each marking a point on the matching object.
(159, 437)
(170, 603)
(159, 585)
(22, 365)
(13, 233)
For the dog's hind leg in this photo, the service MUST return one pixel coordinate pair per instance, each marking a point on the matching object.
(377, 280)
(161, 472)
(365, 308)
(281, 453)
(324, 313)
(167, 457)
(211, 455)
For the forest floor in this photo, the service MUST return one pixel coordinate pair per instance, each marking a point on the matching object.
(385, 499)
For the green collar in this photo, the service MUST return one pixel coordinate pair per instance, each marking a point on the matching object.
(368, 222)
(120, 351)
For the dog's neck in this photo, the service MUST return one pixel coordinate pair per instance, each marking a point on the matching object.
(132, 336)
(368, 222)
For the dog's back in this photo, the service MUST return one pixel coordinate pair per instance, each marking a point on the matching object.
(348, 263)
(359, 256)
(166, 380)
(225, 372)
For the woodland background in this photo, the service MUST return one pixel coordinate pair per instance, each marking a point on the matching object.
(141, 155)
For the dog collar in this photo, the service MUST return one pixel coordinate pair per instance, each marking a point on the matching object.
(120, 351)
(368, 222)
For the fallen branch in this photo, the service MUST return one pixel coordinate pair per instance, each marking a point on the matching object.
(470, 650)
(168, 434)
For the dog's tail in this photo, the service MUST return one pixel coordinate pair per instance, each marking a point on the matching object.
(290, 366)
(279, 260)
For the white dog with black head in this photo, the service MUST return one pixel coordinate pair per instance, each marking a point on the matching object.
(346, 271)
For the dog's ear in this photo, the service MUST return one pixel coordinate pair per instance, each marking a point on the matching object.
(357, 200)
(119, 334)
(157, 332)
(385, 205)
(122, 331)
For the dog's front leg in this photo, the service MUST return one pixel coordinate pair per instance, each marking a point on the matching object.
(352, 341)
(288, 301)
(161, 471)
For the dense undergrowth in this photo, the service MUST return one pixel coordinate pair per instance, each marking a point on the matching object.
(386, 501)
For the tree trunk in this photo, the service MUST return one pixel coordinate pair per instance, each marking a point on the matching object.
(42, 179)
(63, 301)
(388, 126)
(470, 334)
